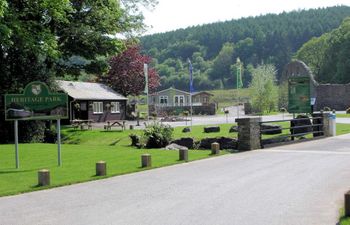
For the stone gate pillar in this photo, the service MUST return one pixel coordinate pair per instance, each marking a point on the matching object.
(326, 127)
(248, 133)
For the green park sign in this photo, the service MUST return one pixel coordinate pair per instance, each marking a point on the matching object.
(36, 103)
(299, 95)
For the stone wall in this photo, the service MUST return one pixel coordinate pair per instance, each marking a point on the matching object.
(334, 96)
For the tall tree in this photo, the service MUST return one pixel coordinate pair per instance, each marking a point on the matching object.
(263, 88)
(328, 56)
(313, 54)
(222, 63)
(37, 37)
(126, 72)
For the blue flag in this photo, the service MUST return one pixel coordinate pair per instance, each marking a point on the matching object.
(191, 76)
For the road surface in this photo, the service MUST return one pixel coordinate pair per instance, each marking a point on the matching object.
(290, 185)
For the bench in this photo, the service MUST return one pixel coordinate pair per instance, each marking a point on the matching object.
(83, 124)
(118, 123)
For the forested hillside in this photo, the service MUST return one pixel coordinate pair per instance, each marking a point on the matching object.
(328, 56)
(214, 48)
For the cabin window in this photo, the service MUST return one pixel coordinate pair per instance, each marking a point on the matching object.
(115, 107)
(163, 100)
(97, 107)
(179, 100)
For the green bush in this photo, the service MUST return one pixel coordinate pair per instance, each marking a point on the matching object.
(50, 135)
(135, 139)
(157, 135)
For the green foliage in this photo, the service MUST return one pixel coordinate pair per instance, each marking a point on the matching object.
(272, 39)
(222, 63)
(78, 163)
(329, 55)
(135, 139)
(313, 54)
(283, 95)
(157, 135)
(264, 89)
(40, 40)
(3, 5)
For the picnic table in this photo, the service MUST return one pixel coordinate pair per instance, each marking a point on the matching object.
(82, 124)
(116, 123)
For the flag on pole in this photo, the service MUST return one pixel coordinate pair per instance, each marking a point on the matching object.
(145, 70)
(191, 76)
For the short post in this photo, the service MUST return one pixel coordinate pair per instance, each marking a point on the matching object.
(43, 177)
(146, 160)
(131, 127)
(101, 168)
(215, 148)
(183, 155)
(347, 204)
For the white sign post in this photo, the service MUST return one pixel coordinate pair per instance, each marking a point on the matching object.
(16, 144)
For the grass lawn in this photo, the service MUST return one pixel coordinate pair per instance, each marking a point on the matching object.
(229, 97)
(78, 163)
(343, 220)
(121, 138)
(82, 149)
(343, 115)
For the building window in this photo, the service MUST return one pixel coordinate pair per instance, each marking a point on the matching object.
(97, 107)
(205, 100)
(179, 100)
(163, 100)
(115, 107)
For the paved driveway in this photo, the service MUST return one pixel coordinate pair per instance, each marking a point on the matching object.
(290, 185)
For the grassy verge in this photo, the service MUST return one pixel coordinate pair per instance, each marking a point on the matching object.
(82, 149)
(78, 163)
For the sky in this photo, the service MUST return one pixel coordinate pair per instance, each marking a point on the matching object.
(174, 14)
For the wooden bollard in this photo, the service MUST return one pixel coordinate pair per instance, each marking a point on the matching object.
(146, 160)
(101, 168)
(183, 154)
(43, 177)
(215, 148)
(347, 204)
(131, 127)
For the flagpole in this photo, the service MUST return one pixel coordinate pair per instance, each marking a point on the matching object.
(145, 70)
(237, 85)
(191, 89)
